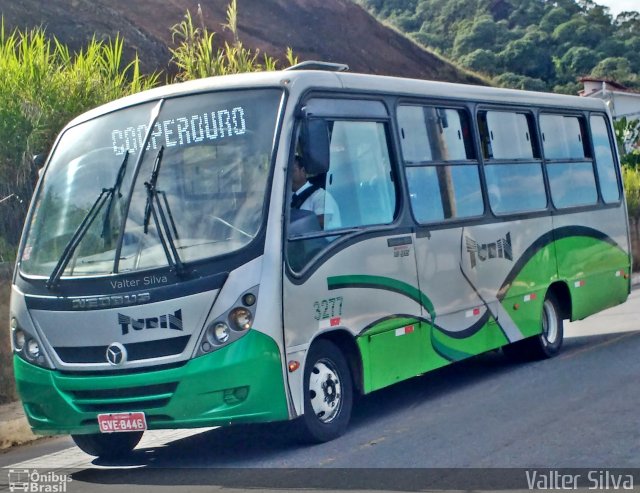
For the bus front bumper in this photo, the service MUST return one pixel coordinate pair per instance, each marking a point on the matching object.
(240, 383)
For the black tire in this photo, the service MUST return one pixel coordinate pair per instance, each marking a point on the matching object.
(548, 343)
(108, 445)
(328, 394)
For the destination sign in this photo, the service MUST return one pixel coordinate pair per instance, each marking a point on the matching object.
(182, 131)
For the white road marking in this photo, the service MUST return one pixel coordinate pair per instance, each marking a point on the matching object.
(74, 458)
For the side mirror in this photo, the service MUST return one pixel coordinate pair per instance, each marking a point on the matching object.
(39, 160)
(315, 146)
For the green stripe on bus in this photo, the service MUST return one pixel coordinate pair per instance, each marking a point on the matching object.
(384, 283)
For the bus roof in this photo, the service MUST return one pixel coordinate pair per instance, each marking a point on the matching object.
(303, 80)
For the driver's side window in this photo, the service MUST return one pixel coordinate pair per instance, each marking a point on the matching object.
(357, 190)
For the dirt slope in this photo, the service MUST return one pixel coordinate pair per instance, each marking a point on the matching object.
(331, 30)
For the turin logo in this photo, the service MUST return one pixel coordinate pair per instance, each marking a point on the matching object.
(499, 249)
(171, 321)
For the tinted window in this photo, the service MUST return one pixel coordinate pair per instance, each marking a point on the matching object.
(433, 139)
(518, 186)
(444, 192)
(572, 184)
(359, 177)
(515, 187)
(604, 160)
(507, 135)
(434, 134)
(358, 190)
(563, 137)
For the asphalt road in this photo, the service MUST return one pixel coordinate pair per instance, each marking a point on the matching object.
(579, 410)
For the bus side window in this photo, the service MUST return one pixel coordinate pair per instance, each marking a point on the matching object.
(359, 182)
(605, 162)
(512, 162)
(569, 165)
(442, 169)
(360, 173)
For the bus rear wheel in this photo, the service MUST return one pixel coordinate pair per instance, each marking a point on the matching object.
(548, 343)
(328, 394)
(108, 445)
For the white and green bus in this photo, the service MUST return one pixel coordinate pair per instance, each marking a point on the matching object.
(165, 280)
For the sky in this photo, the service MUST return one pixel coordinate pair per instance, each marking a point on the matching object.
(617, 6)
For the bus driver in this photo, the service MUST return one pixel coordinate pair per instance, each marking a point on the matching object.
(308, 196)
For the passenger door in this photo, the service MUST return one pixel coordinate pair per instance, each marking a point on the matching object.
(358, 276)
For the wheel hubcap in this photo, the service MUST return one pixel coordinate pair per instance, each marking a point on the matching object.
(549, 323)
(325, 391)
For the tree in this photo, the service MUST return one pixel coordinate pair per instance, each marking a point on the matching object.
(485, 61)
(577, 61)
(529, 56)
(613, 68)
(632, 51)
(628, 23)
(627, 135)
(481, 34)
(553, 18)
(576, 31)
(517, 81)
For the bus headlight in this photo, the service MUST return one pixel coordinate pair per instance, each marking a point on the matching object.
(33, 349)
(218, 333)
(27, 346)
(240, 318)
(18, 335)
(19, 338)
(228, 326)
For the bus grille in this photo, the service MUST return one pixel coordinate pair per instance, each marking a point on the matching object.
(124, 399)
(135, 351)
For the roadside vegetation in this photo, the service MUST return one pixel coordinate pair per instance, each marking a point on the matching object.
(524, 44)
(44, 85)
(628, 136)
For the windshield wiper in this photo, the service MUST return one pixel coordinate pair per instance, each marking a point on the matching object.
(106, 225)
(106, 195)
(154, 208)
(77, 236)
(153, 118)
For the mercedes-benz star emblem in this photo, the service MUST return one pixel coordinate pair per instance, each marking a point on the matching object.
(116, 354)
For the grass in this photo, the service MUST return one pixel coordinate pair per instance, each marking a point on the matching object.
(44, 85)
(7, 384)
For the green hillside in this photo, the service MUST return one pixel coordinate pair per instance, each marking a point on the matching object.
(526, 44)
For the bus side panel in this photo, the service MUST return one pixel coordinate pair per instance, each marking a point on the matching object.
(391, 353)
(593, 258)
(464, 321)
(367, 289)
(511, 263)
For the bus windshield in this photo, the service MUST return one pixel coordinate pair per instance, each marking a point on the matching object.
(196, 190)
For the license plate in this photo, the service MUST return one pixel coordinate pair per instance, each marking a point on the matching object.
(112, 423)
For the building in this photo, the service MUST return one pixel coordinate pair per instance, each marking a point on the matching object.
(622, 101)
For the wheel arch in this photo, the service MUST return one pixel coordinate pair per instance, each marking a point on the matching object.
(560, 290)
(346, 343)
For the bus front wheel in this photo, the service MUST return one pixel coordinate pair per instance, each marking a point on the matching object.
(108, 445)
(328, 394)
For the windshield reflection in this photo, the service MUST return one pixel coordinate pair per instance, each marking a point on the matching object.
(210, 188)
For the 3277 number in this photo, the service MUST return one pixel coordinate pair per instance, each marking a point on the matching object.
(328, 308)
